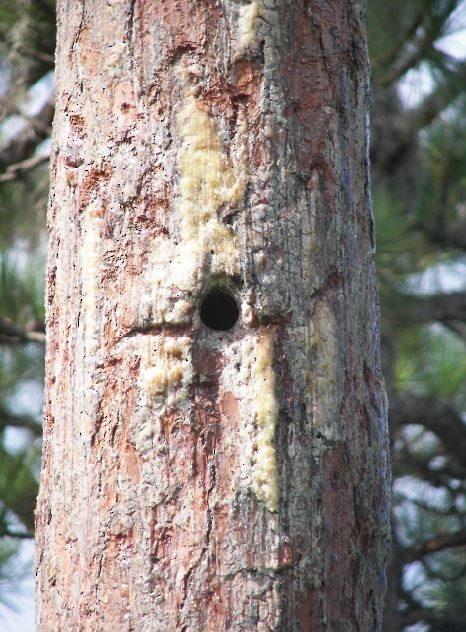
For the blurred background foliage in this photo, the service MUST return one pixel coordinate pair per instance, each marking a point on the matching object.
(27, 41)
(419, 190)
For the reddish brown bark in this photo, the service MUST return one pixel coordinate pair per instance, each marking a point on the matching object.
(196, 479)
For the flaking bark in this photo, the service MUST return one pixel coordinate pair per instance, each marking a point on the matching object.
(196, 479)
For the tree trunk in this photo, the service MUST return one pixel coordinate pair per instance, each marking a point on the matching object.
(215, 453)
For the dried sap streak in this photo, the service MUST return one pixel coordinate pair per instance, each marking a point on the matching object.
(208, 182)
(264, 473)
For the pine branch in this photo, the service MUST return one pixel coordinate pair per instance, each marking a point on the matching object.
(416, 609)
(407, 309)
(18, 535)
(409, 465)
(389, 58)
(436, 544)
(457, 328)
(414, 120)
(416, 502)
(412, 53)
(435, 415)
(18, 486)
(8, 419)
(432, 573)
(20, 168)
(451, 236)
(10, 333)
(444, 94)
(446, 307)
(23, 144)
(418, 615)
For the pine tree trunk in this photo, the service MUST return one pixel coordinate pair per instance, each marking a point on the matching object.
(215, 453)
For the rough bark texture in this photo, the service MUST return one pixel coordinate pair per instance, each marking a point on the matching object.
(197, 479)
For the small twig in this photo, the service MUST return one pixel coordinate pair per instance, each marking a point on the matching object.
(10, 333)
(438, 543)
(16, 170)
(8, 419)
(20, 535)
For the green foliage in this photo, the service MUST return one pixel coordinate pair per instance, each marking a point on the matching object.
(27, 42)
(11, 573)
(447, 599)
(22, 211)
(432, 360)
(400, 249)
(419, 188)
(18, 489)
(21, 286)
(403, 35)
(27, 39)
(443, 144)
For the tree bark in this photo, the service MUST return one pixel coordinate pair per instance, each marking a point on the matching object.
(208, 155)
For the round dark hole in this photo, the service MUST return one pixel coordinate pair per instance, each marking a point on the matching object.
(219, 310)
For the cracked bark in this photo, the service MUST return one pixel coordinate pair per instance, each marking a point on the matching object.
(196, 479)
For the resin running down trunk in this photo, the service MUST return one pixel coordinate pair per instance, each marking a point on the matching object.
(215, 453)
